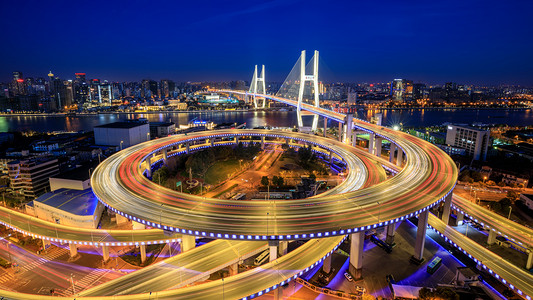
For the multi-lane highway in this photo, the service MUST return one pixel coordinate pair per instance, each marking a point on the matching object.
(515, 232)
(67, 234)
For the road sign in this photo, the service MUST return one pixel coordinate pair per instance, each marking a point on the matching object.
(178, 183)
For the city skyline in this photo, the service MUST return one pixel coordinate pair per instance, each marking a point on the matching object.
(473, 43)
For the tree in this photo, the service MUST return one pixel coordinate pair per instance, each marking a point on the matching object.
(265, 181)
(512, 195)
(160, 175)
(277, 181)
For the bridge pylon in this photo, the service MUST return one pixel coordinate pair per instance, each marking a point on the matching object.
(258, 86)
(311, 78)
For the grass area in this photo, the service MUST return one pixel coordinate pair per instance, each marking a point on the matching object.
(225, 191)
(220, 170)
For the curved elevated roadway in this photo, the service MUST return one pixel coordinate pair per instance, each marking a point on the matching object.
(428, 176)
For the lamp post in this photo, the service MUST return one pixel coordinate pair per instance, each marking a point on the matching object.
(510, 209)
(72, 282)
(121, 142)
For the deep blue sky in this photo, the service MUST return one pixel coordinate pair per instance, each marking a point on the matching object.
(359, 41)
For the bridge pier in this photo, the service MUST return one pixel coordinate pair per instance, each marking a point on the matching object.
(283, 248)
(460, 217)
(233, 269)
(492, 237)
(212, 141)
(73, 250)
(348, 126)
(105, 253)
(325, 126)
(262, 142)
(418, 257)
(391, 231)
(447, 208)
(236, 140)
(378, 143)
(273, 248)
(137, 225)
(148, 166)
(529, 263)
(356, 255)
(399, 159)
(165, 156)
(340, 132)
(187, 147)
(392, 152)
(326, 265)
(188, 242)
(371, 137)
(354, 138)
(143, 253)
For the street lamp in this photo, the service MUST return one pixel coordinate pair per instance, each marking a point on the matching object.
(121, 142)
(72, 281)
(510, 209)
(484, 178)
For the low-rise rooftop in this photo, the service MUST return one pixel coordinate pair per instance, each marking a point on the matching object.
(81, 203)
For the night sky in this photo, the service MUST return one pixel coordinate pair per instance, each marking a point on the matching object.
(471, 42)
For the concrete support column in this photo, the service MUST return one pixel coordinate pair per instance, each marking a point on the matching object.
(233, 269)
(325, 126)
(73, 249)
(46, 243)
(371, 137)
(356, 254)
(148, 166)
(399, 159)
(529, 263)
(391, 231)
(340, 131)
(262, 142)
(492, 237)
(348, 125)
(447, 208)
(379, 142)
(236, 140)
(188, 242)
(187, 147)
(460, 218)
(121, 219)
(421, 236)
(137, 225)
(326, 266)
(392, 152)
(283, 247)
(354, 139)
(330, 157)
(143, 253)
(212, 141)
(165, 156)
(105, 252)
(273, 247)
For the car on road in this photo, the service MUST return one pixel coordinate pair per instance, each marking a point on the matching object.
(348, 276)
(360, 289)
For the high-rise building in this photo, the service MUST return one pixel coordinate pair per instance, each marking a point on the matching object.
(30, 177)
(474, 140)
(17, 84)
(419, 91)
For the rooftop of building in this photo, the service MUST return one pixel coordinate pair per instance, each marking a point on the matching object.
(469, 127)
(122, 125)
(81, 203)
(79, 173)
(162, 124)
